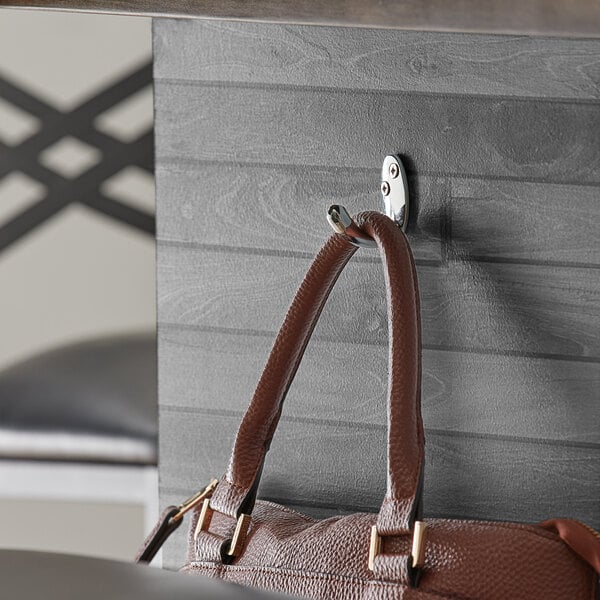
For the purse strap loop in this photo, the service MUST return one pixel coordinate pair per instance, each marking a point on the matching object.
(236, 492)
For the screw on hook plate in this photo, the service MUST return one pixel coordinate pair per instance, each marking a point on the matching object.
(394, 189)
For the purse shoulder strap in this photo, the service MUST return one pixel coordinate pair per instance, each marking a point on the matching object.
(236, 491)
(581, 538)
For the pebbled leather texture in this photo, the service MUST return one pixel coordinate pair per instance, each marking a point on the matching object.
(288, 552)
(467, 560)
(579, 537)
(164, 527)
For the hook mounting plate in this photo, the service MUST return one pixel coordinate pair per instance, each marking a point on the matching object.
(394, 190)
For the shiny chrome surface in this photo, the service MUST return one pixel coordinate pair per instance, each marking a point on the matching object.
(341, 222)
(394, 189)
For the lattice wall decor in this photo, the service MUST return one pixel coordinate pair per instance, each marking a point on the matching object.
(73, 154)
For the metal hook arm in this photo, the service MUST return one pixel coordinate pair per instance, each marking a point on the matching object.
(394, 189)
(341, 222)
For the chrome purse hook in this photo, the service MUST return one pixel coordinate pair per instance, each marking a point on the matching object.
(394, 189)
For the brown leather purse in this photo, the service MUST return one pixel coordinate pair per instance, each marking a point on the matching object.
(396, 553)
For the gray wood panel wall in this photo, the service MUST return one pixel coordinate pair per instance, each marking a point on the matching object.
(259, 128)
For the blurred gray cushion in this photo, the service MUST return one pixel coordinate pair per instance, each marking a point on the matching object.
(59, 577)
(95, 401)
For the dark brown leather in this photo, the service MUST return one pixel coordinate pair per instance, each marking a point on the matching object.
(579, 537)
(405, 455)
(288, 552)
(165, 526)
(465, 560)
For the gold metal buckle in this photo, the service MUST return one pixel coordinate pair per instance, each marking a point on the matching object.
(194, 500)
(374, 547)
(418, 545)
(239, 535)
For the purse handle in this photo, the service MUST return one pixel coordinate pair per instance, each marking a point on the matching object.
(236, 492)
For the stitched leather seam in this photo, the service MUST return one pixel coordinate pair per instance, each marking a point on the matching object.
(415, 478)
(420, 434)
(306, 334)
(295, 574)
(524, 527)
(290, 511)
(235, 485)
(291, 573)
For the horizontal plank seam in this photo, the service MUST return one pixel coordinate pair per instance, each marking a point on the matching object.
(283, 253)
(435, 347)
(200, 410)
(451, 257)
(454, 256)
(170, 160)
(261, 86)
(185, 492)
(456, 253)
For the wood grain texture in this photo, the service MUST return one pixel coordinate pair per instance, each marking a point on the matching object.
(343, 466)
(491, 307)
(377, 59)
(525, 222)
(283, 209)
(207, 203)
(551, 141)
(524, 397)
(259, 129)
(550, 17)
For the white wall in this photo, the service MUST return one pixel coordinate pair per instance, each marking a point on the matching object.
(80, 274)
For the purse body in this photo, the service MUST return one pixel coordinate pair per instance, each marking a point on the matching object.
(261, 544)
(288, 552)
